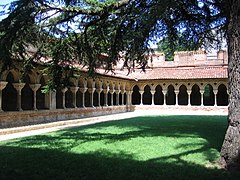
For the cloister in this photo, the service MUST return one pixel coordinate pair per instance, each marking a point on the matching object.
(191, 81)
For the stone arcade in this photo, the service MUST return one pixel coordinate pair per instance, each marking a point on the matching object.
(193, 79)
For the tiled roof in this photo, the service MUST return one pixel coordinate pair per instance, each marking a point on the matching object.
(204, 72)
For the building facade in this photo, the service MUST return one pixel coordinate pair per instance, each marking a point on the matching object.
(193, 79)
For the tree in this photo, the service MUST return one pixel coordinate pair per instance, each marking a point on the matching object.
(79, 31)
(169, 46)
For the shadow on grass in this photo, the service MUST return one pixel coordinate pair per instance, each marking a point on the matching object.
(19, 160)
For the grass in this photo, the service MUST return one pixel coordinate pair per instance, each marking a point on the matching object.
(149, 147)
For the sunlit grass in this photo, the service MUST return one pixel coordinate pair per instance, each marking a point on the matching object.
(151, 147)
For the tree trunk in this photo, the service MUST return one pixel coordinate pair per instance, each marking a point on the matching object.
(230, 152)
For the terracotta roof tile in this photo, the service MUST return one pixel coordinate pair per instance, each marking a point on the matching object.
(211, 72)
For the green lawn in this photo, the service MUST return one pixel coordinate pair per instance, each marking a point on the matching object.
(150, 147)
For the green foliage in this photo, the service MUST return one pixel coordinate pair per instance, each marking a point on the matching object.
(77, 32)
(169, 46)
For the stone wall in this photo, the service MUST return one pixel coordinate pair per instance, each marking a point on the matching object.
(25, 118)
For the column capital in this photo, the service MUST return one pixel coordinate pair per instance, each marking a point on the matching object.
(99, 90)
(3, 85)
(64, 90)
(91, 90)
(164, 91)
(35, 87)
(83, 90)
(201, 91)
(117, 91)
(141, 92)
(176, 91)
(105, 91)
(152, 92)
(111, 91)
(18, 86)
(215, 91)
(74, 89)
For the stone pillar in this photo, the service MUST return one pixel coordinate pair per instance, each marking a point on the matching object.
(18, 87)
(201, 92)
(129, 99)
(74, 92)
(123, 92)
(112, 92)
(189, 97)
(141, 102)
(91, 91)
(52, 100)
(99, 96)
(2, 86)
(164, 97)
(105, 91)
(117, 97)
(176, 93)
(35, 87)
(215, 91)
(83, 90)
(64, 91)
(152, 92)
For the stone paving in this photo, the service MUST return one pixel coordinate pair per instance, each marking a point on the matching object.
(12, 133)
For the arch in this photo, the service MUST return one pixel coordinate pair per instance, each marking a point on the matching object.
(79, 98)
(87, 99)
(222, 95)
(59, 99)
(183, 95)
(208, 96)
(195, 97)
(158, 96)
(27, 95)
(125, 99)
(109, 98)
(147, 96)
(114, 99)
(9, 94)
(136, 96)
(170, 96)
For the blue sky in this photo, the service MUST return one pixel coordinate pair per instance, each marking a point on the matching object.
(2, 3)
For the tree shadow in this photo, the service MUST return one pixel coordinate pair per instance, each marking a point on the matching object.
(48, 161)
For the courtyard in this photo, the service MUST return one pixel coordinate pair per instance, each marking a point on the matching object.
(130, 146)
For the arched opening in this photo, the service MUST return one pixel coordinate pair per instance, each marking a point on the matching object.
(95, 99)
(9, 95)
(87, 99)
(102, 98)
(109, 99)
(208, 96)
(59, 99)
(183, 95)
(114, 99)
(222, 96)
(125, 99)
(68, 99)
(136, 96)
(27, 95)
(79, 98)
(158, 96)
(170, 96)
(120, 98)
(195, 97)
(147, 96)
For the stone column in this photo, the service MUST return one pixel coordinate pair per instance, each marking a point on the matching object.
(189, 97)
(122, 92)
(215, 91)
(99, 96)
(152, 92)
(35, 87)
(112, 92)
(117, 97)
(201, 92)
(74, 92)
(91, 91)
(2, 86)
(105, 91)
(141, 98)
(83, 90)
(64, 91)
(176, 93)
(52, 100)
(18, 87)
(129, 99)
(164, 97)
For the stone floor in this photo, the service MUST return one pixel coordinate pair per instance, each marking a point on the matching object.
(12, 133)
